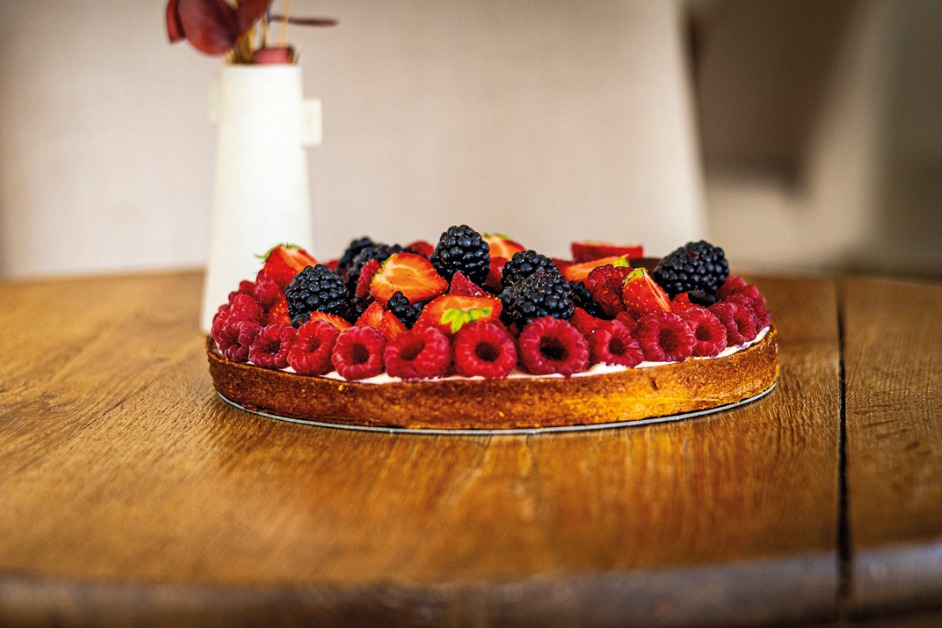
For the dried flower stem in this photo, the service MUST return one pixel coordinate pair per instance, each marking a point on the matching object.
(283, 41)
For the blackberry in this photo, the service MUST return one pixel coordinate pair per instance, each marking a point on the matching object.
(317, 288)
(701, 298)
(581, 297)
(399, 305)
(352, 250)
(522, 265)
(462, 249)
(544, 293)
(695, 266)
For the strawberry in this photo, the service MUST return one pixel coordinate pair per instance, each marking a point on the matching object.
(278, 313)
(382, 319)
(578, 272)
(501, 246)
(495, 273)
(463, 286)
(284, 261)
(422, 247)
(588, 251)
(366, 276)
(408, 273)
(642, 294)
(451, 312)
(339, 323)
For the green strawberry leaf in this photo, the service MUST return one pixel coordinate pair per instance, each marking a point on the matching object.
(622, 261)
(458, 318)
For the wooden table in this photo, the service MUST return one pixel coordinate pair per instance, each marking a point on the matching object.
(130, 494)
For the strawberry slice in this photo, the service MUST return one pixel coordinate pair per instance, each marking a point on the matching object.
(284, 261)
(375, 315)
(279, 313)
(495, 273)
(339, 323)
(642, 294)
(578, 272)
(408, 273)
(451, 312)
(366, 276)
(421, 246)
(588, 251)
(501, 246)
(460, 284)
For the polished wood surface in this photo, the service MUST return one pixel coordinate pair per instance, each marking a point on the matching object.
(130, 492)
(893, 366)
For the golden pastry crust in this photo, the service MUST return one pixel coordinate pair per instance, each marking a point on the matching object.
(495, 404)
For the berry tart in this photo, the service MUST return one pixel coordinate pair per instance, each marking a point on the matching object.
(477, 332)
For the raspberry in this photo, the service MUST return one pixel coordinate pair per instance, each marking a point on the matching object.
(484, 349)
(549, 345)
(267, 292)
(358, 353)
(312, 346)
(366, 276)
(422, 353)
(755, 304)
(708, 331)
(245, 308)
(738, 321)
(629, 321)
(604, 284)
(665, 337)
(612, 343)
(270, 347)
(733, 283)
(247, 287)
(234, 338)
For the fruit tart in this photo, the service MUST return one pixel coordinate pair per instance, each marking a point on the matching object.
(478, 332)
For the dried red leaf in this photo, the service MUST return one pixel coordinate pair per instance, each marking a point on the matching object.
(174, 25)
(210, 25)
(249, 12)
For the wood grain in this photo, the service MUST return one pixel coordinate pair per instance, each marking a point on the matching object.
(893, 365)
(130, 492)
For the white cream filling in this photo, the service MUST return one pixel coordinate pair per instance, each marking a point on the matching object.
(518, 373)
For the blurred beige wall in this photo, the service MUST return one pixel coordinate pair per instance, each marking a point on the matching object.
(822, 135)
(550, 121)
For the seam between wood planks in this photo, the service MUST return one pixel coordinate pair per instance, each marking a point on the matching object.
(845, 573)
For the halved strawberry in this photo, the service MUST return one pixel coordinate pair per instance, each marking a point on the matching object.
(375, 315)
(408, 273)
(278, 313)
(423, 247)
(460, 284)
(366, 276)
(451, 312)
(578, 272)
(588, 251)
(284, 261)
(496, 273)
(642, 294)
(339, 323)
(501, 246)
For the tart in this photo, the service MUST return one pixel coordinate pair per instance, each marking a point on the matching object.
(612, 341)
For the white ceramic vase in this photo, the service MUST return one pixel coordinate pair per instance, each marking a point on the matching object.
(262, 195)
